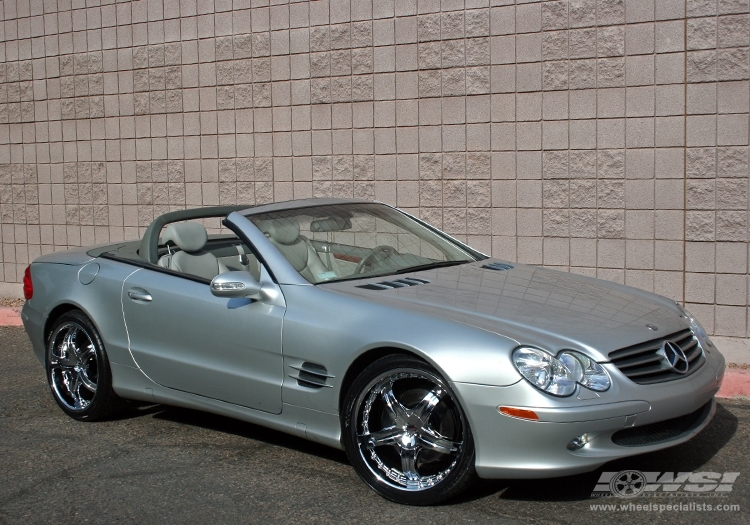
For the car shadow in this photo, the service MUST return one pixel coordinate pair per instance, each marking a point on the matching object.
(232, 426)
(687, 457)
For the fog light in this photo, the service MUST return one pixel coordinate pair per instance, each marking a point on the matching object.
(579, 442)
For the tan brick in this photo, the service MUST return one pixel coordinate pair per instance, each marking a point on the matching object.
(731, 226)
(556, 223)
(700, 226)
(668, 255)
(669, 224)
(582, 74)
(732, 64)
(670, 69)
(582, 13)
(701, 33)
(611, 194)
(640, 70)
(611, 224)
(610, 253)
(554, 15)
(640, 102)
(583, 252)
(611, 163)
(529, 194)
(556, 251)
(610, 41)
(700, 194)
(731, 289)
(732, 130)
(643, 279)
(582, 193)
(731, 321)
(478, 220)
(639, 39)
(530, 250)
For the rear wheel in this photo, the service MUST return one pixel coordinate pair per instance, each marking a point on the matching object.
(406, 434)
(78, 370)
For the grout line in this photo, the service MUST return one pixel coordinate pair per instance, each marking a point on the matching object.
(684, 160)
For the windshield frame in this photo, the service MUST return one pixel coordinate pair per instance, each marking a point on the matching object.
(471, 254)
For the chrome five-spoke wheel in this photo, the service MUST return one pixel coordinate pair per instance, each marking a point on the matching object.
(77, 369)
(73, 369)
(406, 433)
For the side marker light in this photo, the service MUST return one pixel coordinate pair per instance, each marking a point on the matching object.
(519, 413)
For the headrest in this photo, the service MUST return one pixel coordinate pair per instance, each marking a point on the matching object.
(283, 231)
(331, 224)
(188, 236)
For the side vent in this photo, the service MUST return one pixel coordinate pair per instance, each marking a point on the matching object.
(311, 375)
(497, 266)
(398, 283)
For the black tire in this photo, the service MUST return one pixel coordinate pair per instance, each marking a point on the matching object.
(78, 370)
(406, 434)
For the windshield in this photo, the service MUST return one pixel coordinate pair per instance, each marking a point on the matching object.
(351, 241)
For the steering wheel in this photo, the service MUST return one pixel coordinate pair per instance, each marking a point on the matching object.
(381, 252)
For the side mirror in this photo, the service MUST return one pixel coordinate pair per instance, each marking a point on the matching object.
(235, 284)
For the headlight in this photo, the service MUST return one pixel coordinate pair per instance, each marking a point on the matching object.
(593, 375)
(696, 328)
(559, 375)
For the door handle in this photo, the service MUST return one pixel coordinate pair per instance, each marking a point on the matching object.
(139, 295)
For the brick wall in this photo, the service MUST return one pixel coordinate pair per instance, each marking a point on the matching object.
(608, 137)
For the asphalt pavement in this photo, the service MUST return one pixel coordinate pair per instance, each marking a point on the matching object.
(164, 465)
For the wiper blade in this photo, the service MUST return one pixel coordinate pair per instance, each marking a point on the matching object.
(429, 266)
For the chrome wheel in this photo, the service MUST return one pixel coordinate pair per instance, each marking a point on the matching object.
(409, 437)
(78, 370)
(72, 366)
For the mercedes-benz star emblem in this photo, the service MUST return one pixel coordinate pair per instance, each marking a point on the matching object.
(675, 357)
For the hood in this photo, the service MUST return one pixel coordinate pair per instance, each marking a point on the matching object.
(532, 305)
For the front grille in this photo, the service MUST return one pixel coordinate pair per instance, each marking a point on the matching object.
(661, 431)
(646, 364)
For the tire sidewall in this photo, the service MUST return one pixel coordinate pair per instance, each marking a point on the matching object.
(456, 480)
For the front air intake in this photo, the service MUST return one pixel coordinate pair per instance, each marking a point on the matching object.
(662, 431)
(311, 375)
(398, 283)
(497, 266)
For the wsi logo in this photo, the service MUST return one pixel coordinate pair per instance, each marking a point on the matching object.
(632, 483)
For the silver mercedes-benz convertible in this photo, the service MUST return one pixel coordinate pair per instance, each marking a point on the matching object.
(356, 325)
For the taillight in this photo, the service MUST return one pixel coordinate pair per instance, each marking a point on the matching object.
(28, 286)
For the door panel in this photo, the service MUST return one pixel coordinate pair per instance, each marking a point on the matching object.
(185, 338)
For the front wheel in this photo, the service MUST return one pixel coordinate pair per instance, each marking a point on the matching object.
(78, 370)
(406, 434)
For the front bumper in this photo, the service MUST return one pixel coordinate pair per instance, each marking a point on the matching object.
(512, 448)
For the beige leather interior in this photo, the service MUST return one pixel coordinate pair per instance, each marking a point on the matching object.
(297, 249)
(190, 238)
